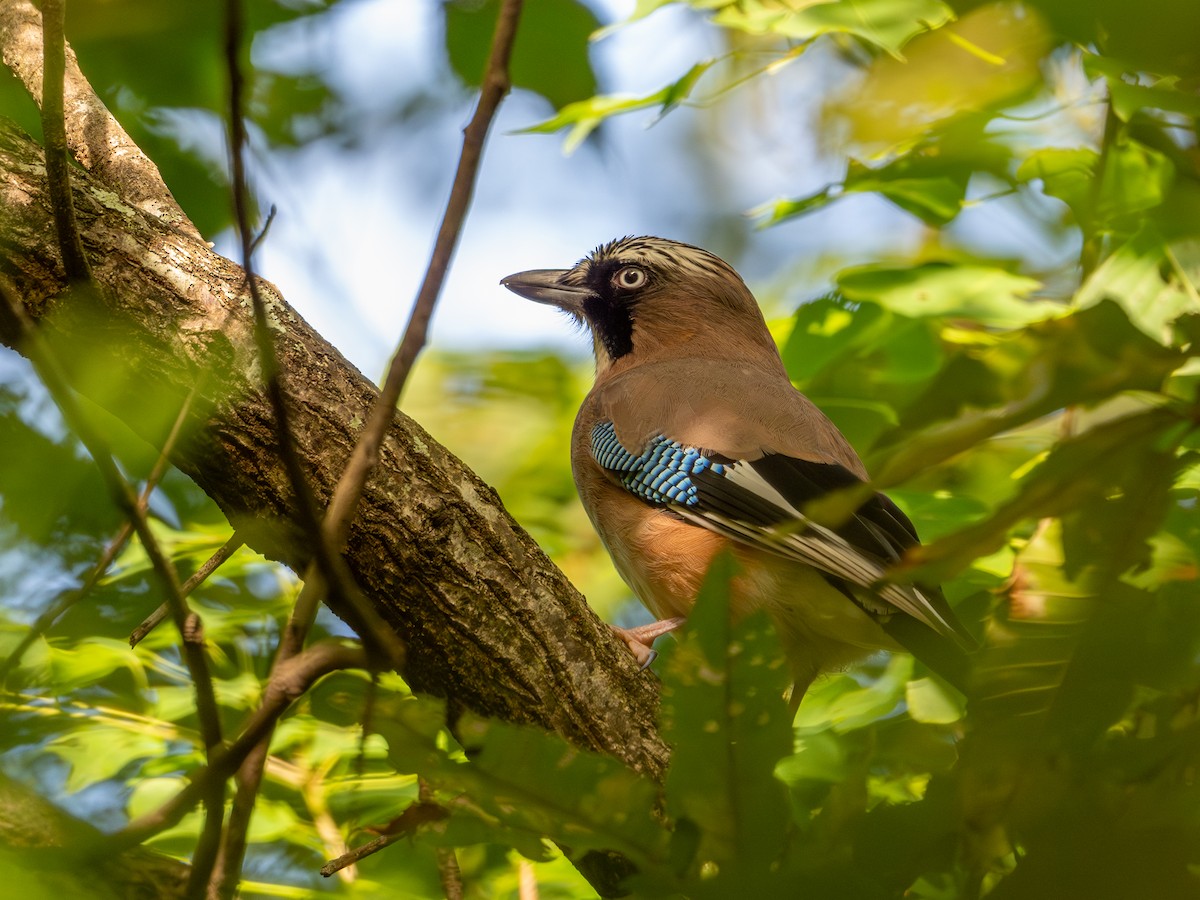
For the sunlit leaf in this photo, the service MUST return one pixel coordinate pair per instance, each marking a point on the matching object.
(1065, 173)
(991, 296)
(1083, 358)
(1091, 471)
(886, 24)
(1133, 276)
(585, 116)
(935, 199)
(929, 701)
(966, 69)
(101, 752)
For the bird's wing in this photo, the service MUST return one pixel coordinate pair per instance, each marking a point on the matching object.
(732, 483)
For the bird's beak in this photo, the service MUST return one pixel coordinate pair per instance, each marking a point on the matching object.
(546, 286)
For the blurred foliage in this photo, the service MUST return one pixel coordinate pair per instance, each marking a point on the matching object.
(549, 56)
(1040, 428)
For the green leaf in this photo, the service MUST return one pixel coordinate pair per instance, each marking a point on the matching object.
(550, 52)
(1128, 98)
(980, 293)
(929, 701)
(1102, 472)
(820, 756)
(585, 116)
(1066, 173)
(91, 661)
(844, 704)
(886, 24)
(935, 198)
(1135, 179)
(723, 711)
(101, 752)
(1133, 276)
(1083, 358)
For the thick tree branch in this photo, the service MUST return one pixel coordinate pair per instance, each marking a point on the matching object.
(94, 137)
(489, 623)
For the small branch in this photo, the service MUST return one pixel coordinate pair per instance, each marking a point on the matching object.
(75, 263)
(328, 566)
(495, 86)
(359, 853)
(233, 847)
(376, 635)
(447, 862)
(58, 171)
(289, 683)
(348, 493)
(366, 451)
(415, 815)
(210, 565)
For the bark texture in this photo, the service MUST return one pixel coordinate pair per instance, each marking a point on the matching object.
(489, 622)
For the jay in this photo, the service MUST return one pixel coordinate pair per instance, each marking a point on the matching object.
(694, 440)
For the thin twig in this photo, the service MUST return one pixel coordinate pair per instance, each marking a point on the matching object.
(294, 679)
(376, 635)
(262, 232)
(54, 135)
(350, 486)
(349, 490)
(328, 566)
(448, 871)
(248, 778)
(366, 452)
(70, 598)
(219, 557)
(46, 364)
(359, 853)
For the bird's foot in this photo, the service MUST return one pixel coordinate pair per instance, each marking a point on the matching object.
(639, 639)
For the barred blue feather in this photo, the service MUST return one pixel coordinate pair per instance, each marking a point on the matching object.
(661, 473)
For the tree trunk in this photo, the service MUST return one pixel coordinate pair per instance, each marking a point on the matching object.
(489, 622)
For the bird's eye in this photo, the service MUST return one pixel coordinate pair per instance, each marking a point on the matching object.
(629, 278)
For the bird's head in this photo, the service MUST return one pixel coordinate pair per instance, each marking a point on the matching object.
(645, 295)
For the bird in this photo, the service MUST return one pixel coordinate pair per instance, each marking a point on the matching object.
(693, 441)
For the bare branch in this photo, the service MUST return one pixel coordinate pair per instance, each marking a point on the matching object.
(58, 172)
(210, 565)
(360, 853)
(94, 137)
(366, 451)
(369, 626)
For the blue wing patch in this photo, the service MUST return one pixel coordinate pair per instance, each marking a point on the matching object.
(661, 473)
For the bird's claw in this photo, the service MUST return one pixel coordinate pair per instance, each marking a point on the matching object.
(639, 639)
